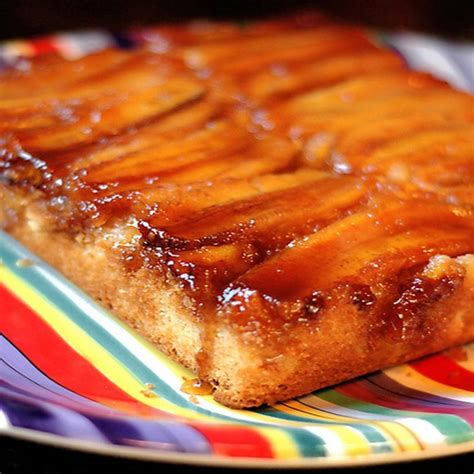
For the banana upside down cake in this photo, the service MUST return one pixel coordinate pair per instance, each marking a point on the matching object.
(279, 206)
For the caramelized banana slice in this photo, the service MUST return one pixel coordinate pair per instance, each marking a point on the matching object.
(305, 44)
(424, 148)
(46, 74)
(189, 118)
(356, 91)
(365, 248)
(260, 157)
(175, 202)
(222, 139)
(272, 218)
(113, 116)
(333, 138)
(348, 61)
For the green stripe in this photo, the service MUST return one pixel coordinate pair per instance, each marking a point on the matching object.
(309, 444)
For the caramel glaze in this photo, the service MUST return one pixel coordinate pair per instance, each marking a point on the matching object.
(276, 170)
(196, 387)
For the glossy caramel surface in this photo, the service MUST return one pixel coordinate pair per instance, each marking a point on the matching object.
(276, 169)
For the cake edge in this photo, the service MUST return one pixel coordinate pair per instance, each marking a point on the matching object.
(243, 368)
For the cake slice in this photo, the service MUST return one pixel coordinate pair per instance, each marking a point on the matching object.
(279, 208)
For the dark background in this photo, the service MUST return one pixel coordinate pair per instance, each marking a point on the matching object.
(24, 18)
(22, 457)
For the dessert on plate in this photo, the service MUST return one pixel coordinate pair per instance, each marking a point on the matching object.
(279, 206)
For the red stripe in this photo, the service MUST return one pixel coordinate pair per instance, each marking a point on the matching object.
(44, 46)
(359, 392)
(444, 370)
(59, 361)
(235, 441)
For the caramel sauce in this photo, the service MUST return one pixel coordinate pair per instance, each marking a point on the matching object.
(148, 393)
(274, 171)
(196, 387)
(24, 263)
(314, 304)
(405, 317)
(458, 354)
(362, 296)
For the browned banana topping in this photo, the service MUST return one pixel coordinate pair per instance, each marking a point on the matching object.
(273, 169)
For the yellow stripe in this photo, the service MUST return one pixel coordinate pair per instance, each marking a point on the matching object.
(87, 347)
(354, 442)
(402, 438)
(283, 445)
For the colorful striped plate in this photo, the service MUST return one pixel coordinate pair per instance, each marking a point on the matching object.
(73, 375)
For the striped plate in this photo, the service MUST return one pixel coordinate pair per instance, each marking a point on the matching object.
(74, 375)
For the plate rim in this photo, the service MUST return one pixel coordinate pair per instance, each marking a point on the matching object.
(216, 460)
